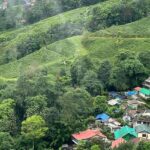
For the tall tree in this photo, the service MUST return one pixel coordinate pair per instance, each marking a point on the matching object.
(34, 128)
(7, 116)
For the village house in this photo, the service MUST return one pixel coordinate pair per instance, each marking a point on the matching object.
(137, 88)
(139, 120)
(113, 102)
(143, 131)
(133, 104)
(117, 142)
(102, 117)
(147, 83)
(88, 135)
(132, 113)
(144, 93)
(126, 133)
(131, 93)
(113, 124)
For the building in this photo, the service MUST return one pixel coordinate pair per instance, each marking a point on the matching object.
(144, 93)
(126, 133)
(113, 102)
(143, 131)
(87, 135)
(117, 142)
(137, 88)
(131, 93)
(113, 124)
(102, 117)
(139, 120)
(147, 83)
(133, 104)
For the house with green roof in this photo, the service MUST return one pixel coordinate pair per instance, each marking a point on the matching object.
(143, 131)
(126, 133)
(145, 93)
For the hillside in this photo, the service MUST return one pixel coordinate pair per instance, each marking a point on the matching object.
(77, 75)
(104, 44)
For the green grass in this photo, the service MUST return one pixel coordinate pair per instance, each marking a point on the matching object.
(107, 48)
(52, 58)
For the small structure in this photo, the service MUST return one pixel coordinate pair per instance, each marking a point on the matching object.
(146, 113)
(137, 89)
(130, 93)
(126, 133)
(126, 118)
(133, 104)
(87, 135)
(113, 102)
(139, 120)
(143, 131)
(145, 93)
(132, 113)
(102, 117)
(113, 124)
(147, 83)
(117, 142)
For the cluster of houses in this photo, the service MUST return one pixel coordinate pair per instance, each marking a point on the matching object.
(136, 118)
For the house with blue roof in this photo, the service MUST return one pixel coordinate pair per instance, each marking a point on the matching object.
(102, 117)
(131, 93)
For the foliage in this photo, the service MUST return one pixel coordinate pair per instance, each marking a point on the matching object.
(143, 146)
(126, 146)
(120, 12)
(7, 116)
(34, 128)
(6, 141)
(100, 104)
(128, 72)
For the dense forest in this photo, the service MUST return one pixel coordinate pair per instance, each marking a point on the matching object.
(59, 59)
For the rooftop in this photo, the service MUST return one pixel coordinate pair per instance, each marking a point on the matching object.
(142, 128)
(124, 131)
(117, 142)
(145, 91)
(88, 134)
(137, 88)
(102, 117)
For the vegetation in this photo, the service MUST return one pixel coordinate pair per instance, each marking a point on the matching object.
(55, 74)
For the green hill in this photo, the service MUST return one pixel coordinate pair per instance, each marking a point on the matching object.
(98, 45)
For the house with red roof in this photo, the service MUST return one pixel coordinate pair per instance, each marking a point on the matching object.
(87, 135)
(117, 142)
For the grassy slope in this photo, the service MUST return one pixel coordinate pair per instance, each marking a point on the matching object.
(106, 43)
(52, 58)
(80, 15)
(98, 45)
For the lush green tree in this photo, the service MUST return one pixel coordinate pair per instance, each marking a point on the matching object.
(95, 147)
(6, 141)
(128, 71)
(79, 68)
(36, 106)
(144, 58)
(34, 128)
(100, 104)
(28, 46)
(92, 84)
(126, 146)
(104, 72)
(77, 102)
(143, 145)
(7, 116)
